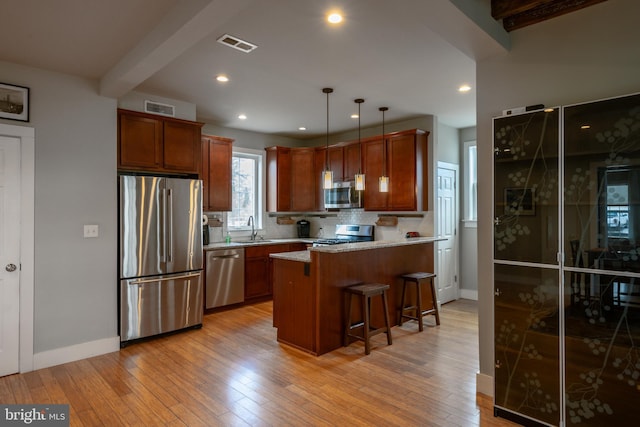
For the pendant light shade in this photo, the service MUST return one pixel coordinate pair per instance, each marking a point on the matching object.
(327, 174)
(359, 178)
(383, 181)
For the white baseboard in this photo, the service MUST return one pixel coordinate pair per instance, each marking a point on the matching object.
(72, 353)
(484, 384)
(469, 294)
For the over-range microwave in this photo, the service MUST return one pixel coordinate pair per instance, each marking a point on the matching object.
(343, 195)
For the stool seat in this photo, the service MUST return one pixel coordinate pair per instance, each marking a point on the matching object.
(418, 312)
(365, 291)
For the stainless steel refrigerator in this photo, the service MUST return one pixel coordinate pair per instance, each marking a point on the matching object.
(160, 259)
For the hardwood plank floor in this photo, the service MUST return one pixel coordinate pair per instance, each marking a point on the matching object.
(232, 372)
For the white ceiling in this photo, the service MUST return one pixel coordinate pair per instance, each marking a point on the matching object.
(408, 55)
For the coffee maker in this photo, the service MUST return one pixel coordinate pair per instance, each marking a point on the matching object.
(304, 228)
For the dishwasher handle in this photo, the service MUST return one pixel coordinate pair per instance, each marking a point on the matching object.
(230, 256)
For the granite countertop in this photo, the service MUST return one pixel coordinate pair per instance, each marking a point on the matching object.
(305, 256)
(258, 242)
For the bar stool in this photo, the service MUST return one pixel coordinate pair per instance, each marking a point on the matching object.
(365, 292)
(418, 279)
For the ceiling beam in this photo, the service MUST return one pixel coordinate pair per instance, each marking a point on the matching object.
(501, 9)
(518, 14)
(182, 27)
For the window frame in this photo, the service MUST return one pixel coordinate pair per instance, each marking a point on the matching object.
(259, 185)
(470, 194)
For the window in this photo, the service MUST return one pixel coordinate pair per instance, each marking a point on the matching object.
(470, 181)
(246, 182)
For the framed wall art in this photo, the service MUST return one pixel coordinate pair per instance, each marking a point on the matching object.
(519, 201)
(14, 102)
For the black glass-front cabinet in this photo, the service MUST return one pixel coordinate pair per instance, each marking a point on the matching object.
(567, 263)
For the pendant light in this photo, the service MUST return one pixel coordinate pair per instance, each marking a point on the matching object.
(359, 176)
(327, 174)
(383, 181)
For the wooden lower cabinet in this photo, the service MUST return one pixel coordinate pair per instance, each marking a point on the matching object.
(293, 308)
(258, 283)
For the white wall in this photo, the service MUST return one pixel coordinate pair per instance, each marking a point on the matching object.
(75, 176)
(585, 55)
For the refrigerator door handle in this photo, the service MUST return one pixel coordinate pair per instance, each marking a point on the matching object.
(163, 228)
(164, 279)
(170, 221)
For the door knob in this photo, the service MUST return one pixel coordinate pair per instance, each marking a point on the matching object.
(10, 267)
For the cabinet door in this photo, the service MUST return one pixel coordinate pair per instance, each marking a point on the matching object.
(336, 162)
(319, 167)
(139, 142)
(303, 195)
(278, 179)
(181, 147)
(218, 160)
(372, 157)
(526, 267)
(257, 282)
(351, 161)
(402, 173)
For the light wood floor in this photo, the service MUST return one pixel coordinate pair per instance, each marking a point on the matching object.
(233, 372)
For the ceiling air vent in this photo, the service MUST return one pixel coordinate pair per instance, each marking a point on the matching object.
(236, 43)
(158, 108)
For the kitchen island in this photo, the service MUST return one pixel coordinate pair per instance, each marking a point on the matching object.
(309, 304)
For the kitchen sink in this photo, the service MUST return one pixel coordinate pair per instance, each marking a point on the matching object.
(252, 241)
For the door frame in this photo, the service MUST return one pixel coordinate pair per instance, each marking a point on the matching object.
(26, 136)
(456, 244)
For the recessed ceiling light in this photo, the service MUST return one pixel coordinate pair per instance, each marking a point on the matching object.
(334, 18)
(464, 88)
(354, 116)
(548, 110)
(585, 127)
(242, 117)
(302, 128)
(222, 78)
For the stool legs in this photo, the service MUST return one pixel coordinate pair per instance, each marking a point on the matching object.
(387, 323)
(419, 313)
(366, 292)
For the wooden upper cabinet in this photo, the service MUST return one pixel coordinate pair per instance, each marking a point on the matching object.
(291, 179)
(293, 174)
(181, 148)
(372, 157)
(406, 164)
(147, 142)
(278, 179)
(216, 174)
(303, 180)
(352, 161)
(139, 142)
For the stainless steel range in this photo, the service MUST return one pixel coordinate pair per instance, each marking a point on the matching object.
(348, 233)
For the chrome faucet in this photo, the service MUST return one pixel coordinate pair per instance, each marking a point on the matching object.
(253, 231)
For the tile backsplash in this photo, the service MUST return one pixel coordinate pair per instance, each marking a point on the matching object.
(324, 227)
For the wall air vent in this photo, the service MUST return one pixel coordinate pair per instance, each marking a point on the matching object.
(236, 43)
(154, 107)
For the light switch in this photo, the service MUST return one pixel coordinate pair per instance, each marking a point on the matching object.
(90, 231)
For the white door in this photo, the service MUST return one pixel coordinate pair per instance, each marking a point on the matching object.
(9, 254)
(447, 220)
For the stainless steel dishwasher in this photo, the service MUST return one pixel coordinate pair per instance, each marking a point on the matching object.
(225, 277)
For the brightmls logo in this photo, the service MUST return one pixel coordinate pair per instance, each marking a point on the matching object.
(34, 415)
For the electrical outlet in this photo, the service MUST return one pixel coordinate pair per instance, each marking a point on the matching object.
(90, 231)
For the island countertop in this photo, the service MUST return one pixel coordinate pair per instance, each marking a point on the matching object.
(305, 256)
